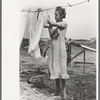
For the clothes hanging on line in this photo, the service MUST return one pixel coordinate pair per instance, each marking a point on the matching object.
(23, 25)
(33, 28)
(32, 25)
(38, 32)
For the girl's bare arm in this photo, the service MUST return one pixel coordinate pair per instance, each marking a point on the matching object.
(49, 28)
(57, 24)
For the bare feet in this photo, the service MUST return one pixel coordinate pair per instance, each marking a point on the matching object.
(64, 95)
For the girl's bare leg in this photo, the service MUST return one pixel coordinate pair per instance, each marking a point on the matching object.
(57, 87)
(64, 88)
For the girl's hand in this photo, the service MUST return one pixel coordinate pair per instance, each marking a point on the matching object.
(48, 25)
(48, 19)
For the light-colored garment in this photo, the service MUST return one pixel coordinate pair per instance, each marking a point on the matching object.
(58, 55)
(37, 34)
(32, 34)
(23, 25)
(37, 53)
(28, 25)
(32, 25)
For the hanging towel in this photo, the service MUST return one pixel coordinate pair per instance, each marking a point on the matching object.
(38, 31)
(23, 24)
(37, 53)
(32, 27)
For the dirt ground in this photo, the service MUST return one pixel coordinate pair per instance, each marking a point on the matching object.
(36, 85)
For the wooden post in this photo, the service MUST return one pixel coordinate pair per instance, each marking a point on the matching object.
(69, 54)
(84, 59)
(77, 55)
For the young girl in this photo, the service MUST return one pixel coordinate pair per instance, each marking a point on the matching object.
(58, 55)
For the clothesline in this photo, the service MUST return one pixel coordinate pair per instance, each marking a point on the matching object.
(69, 5)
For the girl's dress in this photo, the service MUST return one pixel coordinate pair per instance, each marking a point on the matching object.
(58, 54)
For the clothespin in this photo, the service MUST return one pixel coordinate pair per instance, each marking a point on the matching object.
(23, 10)
(29, 10)
(69, 5)
(88, 0)
(38, 10)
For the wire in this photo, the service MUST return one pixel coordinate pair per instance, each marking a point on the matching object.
(69, 5)
(78, 3)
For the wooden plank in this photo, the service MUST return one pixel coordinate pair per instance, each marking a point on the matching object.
(83, 63)
(83, 46)
(84, 59)
(88, 48)
(77, 54)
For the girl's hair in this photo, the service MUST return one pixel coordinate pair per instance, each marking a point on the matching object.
(62, 11)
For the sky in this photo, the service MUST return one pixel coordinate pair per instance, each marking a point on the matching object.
(81, 19)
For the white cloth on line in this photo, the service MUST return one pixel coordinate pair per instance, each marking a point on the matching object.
(23, 24)
(28, 24)
(38, 32)
(37, 53)
(33, 25)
